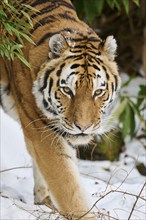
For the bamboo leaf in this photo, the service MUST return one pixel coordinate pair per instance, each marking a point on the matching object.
(137, 112)
(126, 122)
(142, 93)
(30, 7)
(27, 38)
(99, 6)
(118, 111)
(90, 10)
(28, 18)
(126, 6)
(23, 59)
(136, 2)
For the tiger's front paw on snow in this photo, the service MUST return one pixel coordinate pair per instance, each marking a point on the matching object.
(40, 194)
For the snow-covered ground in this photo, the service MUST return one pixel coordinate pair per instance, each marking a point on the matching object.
(116, 188)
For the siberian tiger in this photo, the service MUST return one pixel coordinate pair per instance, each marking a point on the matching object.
(61, 102)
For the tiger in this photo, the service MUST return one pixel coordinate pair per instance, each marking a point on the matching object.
(64, 100)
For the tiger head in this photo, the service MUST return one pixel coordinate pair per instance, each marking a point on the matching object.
(77, 86)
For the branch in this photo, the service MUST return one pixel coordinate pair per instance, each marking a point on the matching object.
(136, 201)
(14, 168)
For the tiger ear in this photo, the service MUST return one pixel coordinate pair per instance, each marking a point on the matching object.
(110, 47)
(57, 45)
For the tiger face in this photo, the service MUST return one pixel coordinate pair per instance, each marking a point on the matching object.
(77, 87)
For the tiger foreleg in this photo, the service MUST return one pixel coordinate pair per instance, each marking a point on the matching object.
(40, 187)
(57, 166)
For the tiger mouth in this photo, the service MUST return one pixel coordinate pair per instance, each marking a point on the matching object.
(81, 135)
(67, 134)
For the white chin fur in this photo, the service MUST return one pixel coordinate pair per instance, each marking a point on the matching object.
(79, 140)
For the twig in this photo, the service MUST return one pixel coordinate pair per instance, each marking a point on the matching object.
(136, 201)
(14, 168)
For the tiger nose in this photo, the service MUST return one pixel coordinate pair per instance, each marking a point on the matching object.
(83, 127)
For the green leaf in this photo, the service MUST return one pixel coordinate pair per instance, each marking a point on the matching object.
(2, 14)
(118, 111)
(99, 6)
(111, 3)
(117, 4)
(90, 10)
(8, 28)
(12, 9)
(30, 7)
(141, 93)
(28, 18)
(126, 5)
(126, 121)
(137, 112)
(136, 2)
(23, 59)
(27, 38)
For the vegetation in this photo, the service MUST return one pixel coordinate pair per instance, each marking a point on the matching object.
(93, 8)
(13, 29)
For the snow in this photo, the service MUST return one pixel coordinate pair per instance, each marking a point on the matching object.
(113, 187)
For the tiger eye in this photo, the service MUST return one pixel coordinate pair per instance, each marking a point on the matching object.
(66, 89)
(98, 92)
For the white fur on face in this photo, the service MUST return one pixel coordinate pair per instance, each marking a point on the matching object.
(70, 80)
(99, 82)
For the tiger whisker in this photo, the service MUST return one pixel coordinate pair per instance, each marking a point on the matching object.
(49, 134)
(39, 119)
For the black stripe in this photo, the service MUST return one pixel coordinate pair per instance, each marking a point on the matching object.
(107, 76)
(98, 59)
(56, 3)
(54, 113)
(112, 85)
(58, 73)
(45, 103)
(72, 73)
(116, 82)
(67, 17)
(103, 84)
(98, 76)
(74, 66)
(39, 2)
(92, 51)
(84, 38)
(63, 81)
(47, 74)
(66, 4)
(79, 57)
(95, 59)
(42, 22)
(58, 81)
(96, 67)
(106, 98)
(50, 85)
(56, 97)
(46, 36)
(47, 9)
(93, 39)
(75, 51)
(52, 6)
(73, 57)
